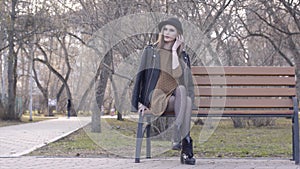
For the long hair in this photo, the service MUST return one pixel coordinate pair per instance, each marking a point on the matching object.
(160, 41)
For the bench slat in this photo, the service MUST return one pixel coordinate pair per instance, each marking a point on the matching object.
(248, 112)
(244, 81)
(244, 92)
(248, 70)
(236, 112)
(244, 103)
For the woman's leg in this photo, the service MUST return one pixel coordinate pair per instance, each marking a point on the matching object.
(183, 111)
(179, 109)
(171, 104)
(187, 154)
(186, 123)
(180, 105)
(176, 133)
(177, 104)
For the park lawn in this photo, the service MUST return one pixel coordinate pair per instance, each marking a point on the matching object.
(227, 141)
(118, 139)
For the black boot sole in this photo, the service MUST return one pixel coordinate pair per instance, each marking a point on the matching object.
(188, 161)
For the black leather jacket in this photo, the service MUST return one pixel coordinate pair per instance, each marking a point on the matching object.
(148, 75)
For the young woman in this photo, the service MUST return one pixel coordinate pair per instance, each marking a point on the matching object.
(164, 84)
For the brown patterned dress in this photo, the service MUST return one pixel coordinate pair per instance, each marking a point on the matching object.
(166, 84)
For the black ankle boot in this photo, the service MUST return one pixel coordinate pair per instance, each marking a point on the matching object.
(187, 152)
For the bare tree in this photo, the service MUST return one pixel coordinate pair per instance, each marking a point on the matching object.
(280, 20)
(12, 64)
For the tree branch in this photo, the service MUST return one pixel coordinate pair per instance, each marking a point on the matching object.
(292, 12)
(274, 45)
(271, 25)
(75, 36)
(220, 11)
(269, 39)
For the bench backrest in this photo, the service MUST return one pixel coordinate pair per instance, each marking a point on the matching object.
(244, 91)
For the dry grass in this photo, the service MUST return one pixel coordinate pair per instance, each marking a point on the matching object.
(25, 119)
(118, 139)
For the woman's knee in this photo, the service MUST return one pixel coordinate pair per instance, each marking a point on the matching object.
(189, 104)
(171, 104)
(172, 99)
(188, 101)
(181, 88)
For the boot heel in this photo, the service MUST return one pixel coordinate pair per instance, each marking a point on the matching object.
(185, 159)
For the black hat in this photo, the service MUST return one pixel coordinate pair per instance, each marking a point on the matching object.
(171, 21)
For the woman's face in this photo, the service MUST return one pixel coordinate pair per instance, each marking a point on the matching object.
(170, 33)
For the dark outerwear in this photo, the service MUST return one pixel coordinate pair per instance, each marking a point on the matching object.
(148, 74)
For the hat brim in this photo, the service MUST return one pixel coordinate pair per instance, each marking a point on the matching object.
(167, 22)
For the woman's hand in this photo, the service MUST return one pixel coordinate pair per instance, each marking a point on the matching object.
(178, 42)
(142, 109)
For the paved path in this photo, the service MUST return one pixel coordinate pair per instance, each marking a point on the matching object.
(21, 139)
(18, 140)
(118, 163)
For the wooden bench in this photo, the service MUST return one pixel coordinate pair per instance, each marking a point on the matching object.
(239, 92)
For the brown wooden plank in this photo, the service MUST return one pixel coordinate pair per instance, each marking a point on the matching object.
(244, 81)
(242, 70)
(245, 92)
(243, 103)
(235, 112)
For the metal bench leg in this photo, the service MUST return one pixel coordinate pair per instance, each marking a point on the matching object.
(148, 140)
(293, 138)
(139, 139)
(296, 132)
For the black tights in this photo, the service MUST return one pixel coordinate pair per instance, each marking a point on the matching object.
(181, 104)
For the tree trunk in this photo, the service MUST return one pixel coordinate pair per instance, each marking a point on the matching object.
(96, 121)
(296, 53)
(118, 105)
(101, 87)
(297, 64)
(62, 79)
(43, 90)
(87, 91)
(67, 61)
(11, 69)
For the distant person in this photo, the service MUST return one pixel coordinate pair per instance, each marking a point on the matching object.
(69, 108)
